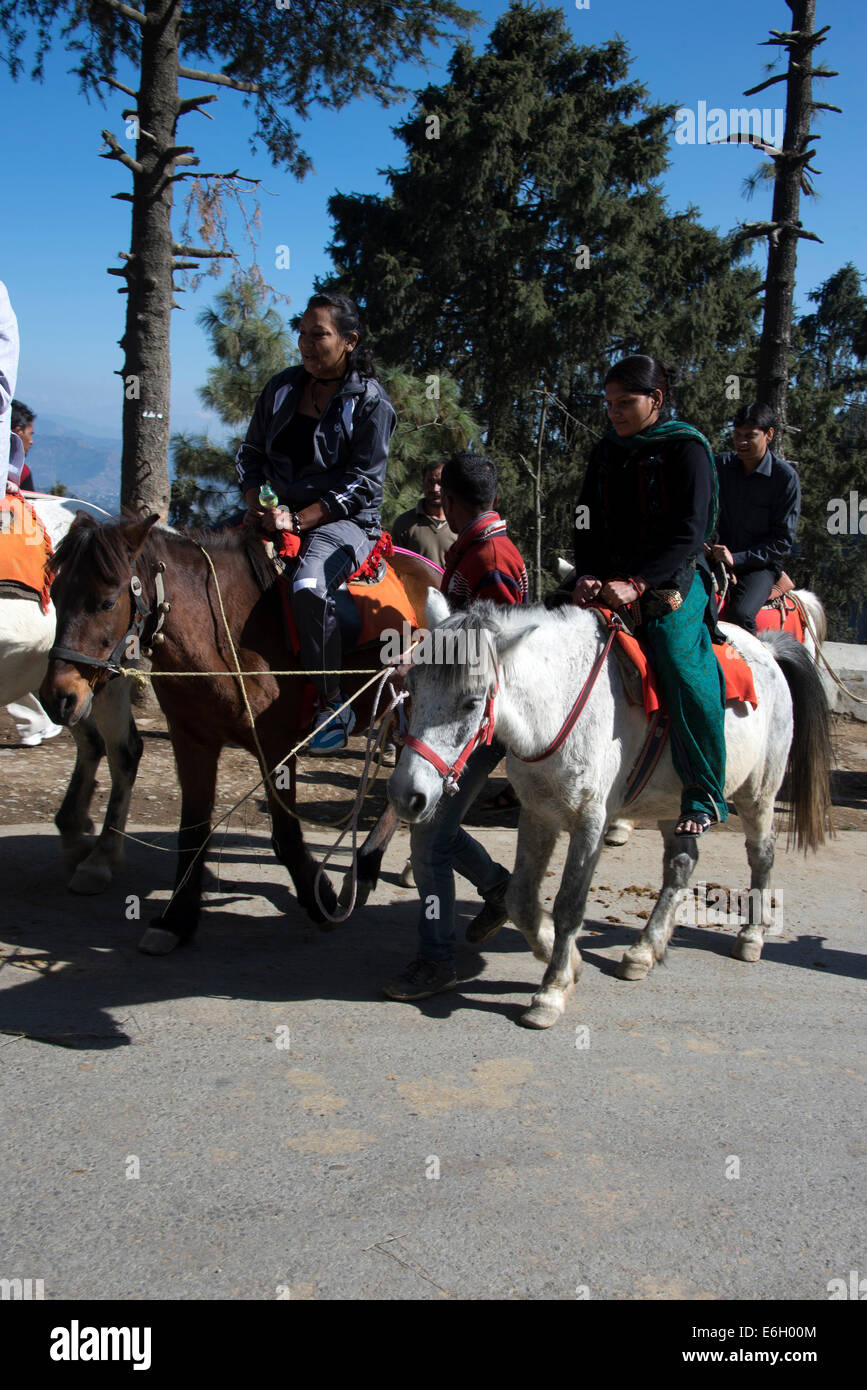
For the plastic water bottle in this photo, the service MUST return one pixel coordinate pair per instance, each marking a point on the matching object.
(267, 496)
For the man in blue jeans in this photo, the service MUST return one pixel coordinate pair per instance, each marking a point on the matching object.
(482, 564)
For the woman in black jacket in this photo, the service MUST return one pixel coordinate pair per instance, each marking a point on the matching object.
(319, 439)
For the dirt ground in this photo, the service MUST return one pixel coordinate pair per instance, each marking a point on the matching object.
(33, 780)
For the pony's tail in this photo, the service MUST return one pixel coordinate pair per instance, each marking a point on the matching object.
(808, 772)
(815, 612)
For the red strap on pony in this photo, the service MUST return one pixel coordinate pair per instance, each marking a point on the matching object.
(614, 623)
(483, 735)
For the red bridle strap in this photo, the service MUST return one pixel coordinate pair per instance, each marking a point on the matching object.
(614, 626)
(483, 735)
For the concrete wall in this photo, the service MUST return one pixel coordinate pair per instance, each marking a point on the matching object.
(850, 664)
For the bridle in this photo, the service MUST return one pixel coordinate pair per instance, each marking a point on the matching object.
(485, 733)
(140, 615)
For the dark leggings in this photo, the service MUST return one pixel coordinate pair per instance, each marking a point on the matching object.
(745, 598)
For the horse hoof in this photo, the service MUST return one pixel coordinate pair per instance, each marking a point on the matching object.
(90, 878)
(750, 951)
(539, 1016)
(618, 832)
(406, 879)
(632, 969)
(158, 942)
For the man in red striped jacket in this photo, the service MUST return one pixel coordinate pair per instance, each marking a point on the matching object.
(482, 564)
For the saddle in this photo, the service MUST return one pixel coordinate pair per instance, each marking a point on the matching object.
(369, 602)
(640, 681)
(25, 547)
(779, 612)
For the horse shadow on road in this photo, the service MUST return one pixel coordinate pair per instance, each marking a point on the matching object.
(70, 973)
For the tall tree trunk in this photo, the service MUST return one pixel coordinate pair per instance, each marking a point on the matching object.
(775, 343)
(536, 476)
(147, 363)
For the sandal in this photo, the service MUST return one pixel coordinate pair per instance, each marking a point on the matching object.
(699, 818)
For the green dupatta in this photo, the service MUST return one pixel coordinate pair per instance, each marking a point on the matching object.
(660, 433)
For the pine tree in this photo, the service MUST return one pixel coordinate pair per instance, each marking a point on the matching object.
(431, 425)
(828, 411)
(792, 173)
(284, 58)
(251, 344)
(525, 243)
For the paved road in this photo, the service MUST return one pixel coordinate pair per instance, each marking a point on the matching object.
(311, 1168)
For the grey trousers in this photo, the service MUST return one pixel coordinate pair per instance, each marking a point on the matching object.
(328, 555)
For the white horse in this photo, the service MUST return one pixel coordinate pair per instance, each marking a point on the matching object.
(815, 632)
(26, 637)
(532, 665)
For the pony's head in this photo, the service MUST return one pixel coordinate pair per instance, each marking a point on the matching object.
(91, 572)
(454, 679)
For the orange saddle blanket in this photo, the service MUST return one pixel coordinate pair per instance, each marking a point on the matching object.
(24, 548)
(738, 676)
(773, 618)
(382, 604)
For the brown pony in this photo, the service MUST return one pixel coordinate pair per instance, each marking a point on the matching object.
(122, 585)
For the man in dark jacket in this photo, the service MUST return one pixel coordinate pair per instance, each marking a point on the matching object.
(759, 507)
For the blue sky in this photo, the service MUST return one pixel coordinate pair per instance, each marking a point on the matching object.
(61, 229)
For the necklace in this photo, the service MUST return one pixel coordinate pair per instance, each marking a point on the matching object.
(316, 381)
(319, 380)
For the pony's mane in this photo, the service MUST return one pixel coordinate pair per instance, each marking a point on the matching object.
(99, 549)
(490, 620)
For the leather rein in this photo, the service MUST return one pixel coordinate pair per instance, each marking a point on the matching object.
(140, 615)
(485, 733)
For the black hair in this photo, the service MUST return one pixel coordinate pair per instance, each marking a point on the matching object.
(643, 375)
(432, 463)
(471, 478)
(344, 312)
(758, 414)
(22, 416)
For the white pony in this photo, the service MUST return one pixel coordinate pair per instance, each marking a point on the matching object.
(26, 637)
(815, 632)
(533, 664)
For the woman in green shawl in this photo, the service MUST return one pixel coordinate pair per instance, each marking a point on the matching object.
(648, 504)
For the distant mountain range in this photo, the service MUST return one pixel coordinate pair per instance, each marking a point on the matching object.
(88, 465)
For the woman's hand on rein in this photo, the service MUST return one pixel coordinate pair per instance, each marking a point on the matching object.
(616, 593)
(586, 590)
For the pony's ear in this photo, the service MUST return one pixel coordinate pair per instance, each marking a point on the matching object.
(135, 533)
(436, 608)
(565, 571)
(504, 642)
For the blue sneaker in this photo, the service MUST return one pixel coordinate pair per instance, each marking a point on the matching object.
(330, 737)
